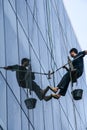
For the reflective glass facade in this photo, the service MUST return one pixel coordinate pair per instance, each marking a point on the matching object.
(41, 31)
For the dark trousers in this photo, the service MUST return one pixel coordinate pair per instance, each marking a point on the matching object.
(38, 91)
(33, 86)
(64, 83)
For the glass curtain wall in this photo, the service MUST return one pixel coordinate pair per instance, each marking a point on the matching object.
(41, 31)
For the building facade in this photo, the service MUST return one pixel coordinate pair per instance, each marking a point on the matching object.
(39, 30)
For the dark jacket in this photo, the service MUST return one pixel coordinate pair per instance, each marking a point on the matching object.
(20, 74)
(78, 61)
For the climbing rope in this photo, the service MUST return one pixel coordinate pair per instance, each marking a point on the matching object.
(16, 99)
(49, 73)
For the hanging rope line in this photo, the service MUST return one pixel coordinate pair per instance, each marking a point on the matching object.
(4, 23)
(70, 72)
(29, 48)
(24, 32)
(26, 35)
(66, 115)
(50, 73)
(70, 47)
(73, 100)
(50, 42)
(40, 32)
(43, 110)
(29, 40)
(16, 99)
(59, 21)
(23, 109)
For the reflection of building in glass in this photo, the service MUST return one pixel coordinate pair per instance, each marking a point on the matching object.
(41, 31)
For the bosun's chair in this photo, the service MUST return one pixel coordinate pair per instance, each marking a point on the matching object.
(77, 93)
(30, 102)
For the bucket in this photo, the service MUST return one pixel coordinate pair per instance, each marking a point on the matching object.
(30, 103)
(77, 94)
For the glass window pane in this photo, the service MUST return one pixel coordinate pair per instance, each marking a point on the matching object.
(14, 112)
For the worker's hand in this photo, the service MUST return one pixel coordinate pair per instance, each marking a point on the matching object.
(64, 67)
(52, 72)
(6, 68)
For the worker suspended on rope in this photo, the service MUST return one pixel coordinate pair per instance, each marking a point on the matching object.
(25, 79)
(78, 65)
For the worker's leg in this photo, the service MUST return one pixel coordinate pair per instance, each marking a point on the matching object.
(79, 74)
(63, 83)
(56, 96)
(54, 89)
(62, 91)
(39, 92)
(47, 98)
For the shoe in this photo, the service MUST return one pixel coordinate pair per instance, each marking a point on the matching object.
(54, 89)
(56, 96)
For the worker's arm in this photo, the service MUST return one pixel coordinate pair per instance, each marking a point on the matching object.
(64, 67)
(12, 68)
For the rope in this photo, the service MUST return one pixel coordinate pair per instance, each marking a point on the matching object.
(49, 72)
(4, 23)
(51, 49)
(29, 68)
(16, 99)
(29, 40)
(70, 71)
(53, 73)
(19, 22)
(59, 21)
(43, 110)
(23, 30)
(67, 40)
(52, 57)
(28, 91)
(40, 32)
(18, 54)
(66, 116)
